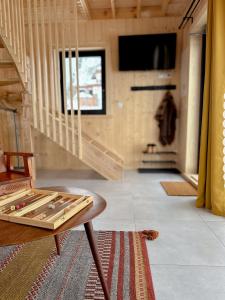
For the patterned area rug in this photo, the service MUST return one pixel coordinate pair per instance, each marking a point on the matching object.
(34, 271)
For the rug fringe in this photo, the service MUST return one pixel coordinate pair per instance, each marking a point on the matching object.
(150, 234)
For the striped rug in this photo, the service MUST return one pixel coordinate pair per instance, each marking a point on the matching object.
(34, 271)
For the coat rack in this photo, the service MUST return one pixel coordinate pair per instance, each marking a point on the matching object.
(154, 87)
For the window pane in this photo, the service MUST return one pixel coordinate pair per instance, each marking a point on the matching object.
(90, 72)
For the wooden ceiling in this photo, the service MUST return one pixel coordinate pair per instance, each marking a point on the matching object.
(107, 9)
(112, 9)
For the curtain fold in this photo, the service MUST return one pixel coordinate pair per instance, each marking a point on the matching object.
(211, 189)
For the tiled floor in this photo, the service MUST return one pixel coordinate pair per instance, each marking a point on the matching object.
(188, 259)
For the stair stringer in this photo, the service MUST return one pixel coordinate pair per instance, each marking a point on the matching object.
(110, 168)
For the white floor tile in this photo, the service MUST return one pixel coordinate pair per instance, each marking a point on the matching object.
(119, 208)
(165, 209)
(207, 215)
(183, 243)
(150, 189)
(219, 229)
(188, 282)
(114, 225)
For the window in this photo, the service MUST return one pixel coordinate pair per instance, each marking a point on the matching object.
(91, 81)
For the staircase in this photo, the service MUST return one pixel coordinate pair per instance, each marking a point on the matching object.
(94, 154)
(44, 94)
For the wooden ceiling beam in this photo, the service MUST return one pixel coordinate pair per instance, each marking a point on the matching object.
(164, 6)
(138, 8)
(113, 7)
(84, 8)
(125, 13)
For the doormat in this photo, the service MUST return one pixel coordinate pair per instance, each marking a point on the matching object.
(180, 188)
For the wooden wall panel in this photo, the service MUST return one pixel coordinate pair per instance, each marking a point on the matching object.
(129, 128)
(190, 84)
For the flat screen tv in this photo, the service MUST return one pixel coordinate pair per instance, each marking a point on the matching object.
(147, 52)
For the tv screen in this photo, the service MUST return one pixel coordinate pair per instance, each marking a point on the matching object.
(147, 52)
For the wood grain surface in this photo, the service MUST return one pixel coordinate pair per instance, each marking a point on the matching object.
(12, 233)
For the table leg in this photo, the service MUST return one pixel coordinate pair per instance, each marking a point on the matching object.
(91, 239)
(57, 244)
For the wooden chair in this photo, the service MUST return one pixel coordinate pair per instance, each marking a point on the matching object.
(12, 180)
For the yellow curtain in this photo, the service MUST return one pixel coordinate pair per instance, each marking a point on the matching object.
(211, 189)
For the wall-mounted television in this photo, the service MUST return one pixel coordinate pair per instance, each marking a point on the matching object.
(147, 52)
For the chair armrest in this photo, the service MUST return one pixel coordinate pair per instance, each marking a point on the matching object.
(23, 154)
(26, 161)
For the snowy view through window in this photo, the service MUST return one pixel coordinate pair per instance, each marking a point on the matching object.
(90, 80)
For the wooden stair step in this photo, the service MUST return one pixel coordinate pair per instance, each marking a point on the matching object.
(9, 82)
(4, 55)
(1, 43)
(6, 64)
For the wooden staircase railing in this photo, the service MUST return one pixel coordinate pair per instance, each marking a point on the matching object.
(12, 33)
(94, 154)
(50, 35)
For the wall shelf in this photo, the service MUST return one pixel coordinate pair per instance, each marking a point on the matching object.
(154, 88)
(160, 153)
(159, 161)
(161, 170)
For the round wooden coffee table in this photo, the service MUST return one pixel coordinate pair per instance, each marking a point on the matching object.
(12, 233)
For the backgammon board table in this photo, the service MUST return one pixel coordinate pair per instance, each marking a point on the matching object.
(13, 233)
